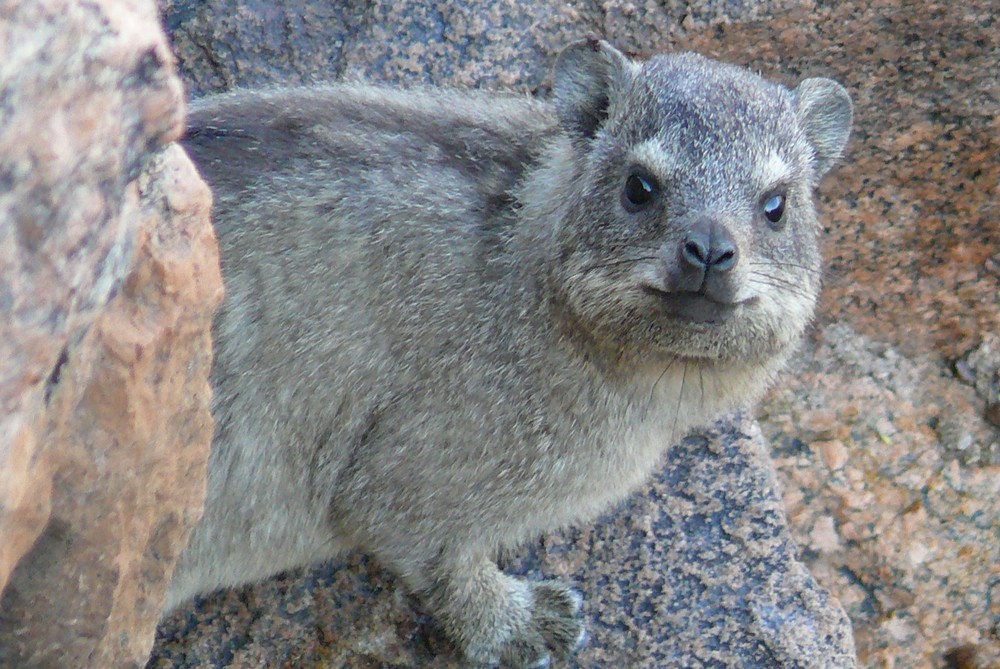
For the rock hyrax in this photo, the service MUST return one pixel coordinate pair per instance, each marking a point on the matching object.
(455, 320)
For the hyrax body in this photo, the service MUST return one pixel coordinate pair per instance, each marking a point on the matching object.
(456, 320)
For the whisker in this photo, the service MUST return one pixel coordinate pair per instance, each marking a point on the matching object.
(701, 382)
(785, 263)
(792, 291)
(615, 263)
(680, 397)
(830, 275)
(775, 280)
(781, 284)
(652, 391)
(778, 283)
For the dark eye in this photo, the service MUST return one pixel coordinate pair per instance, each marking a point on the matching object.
(640, 189)
(774, 208)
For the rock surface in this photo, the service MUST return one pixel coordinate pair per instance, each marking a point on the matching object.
(902, 528)
(884, 432)
(109, 279)
(64, 243)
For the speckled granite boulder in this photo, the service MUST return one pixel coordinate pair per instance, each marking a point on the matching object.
(64, 243)
(223, 44)
(108, 280)
(885, 432)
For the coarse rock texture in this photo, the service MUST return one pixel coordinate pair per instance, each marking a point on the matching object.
(110, 276)
(884, 432)
(64, 243)
(893, 520)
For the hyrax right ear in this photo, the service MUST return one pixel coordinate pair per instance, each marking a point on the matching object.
(825, 111)
(585, 73)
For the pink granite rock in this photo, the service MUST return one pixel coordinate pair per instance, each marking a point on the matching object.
(108, 280)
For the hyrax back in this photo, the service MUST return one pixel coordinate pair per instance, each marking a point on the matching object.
(456, 320)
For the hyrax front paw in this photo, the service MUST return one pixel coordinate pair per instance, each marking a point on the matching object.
(556, 628)
(551, 627)
(500, 621)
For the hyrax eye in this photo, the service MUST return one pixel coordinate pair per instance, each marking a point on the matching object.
(640, 189)
(774, 208)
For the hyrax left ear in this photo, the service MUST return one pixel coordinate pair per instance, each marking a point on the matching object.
(825, 111)
(585, 74)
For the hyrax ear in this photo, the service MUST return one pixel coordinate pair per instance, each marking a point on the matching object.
(825, 111)
(585, 74)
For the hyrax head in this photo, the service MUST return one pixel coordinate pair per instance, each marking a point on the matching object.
(688, 224)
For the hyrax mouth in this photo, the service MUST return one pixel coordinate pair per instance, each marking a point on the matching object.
(696, 306)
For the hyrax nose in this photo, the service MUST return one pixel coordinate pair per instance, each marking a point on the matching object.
(708, 247)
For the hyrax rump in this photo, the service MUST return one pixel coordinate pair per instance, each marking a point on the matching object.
(455, 320)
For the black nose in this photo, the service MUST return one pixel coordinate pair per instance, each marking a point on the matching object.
(709, 247)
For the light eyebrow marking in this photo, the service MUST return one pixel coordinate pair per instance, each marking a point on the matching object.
(654, 156)
(773, 170)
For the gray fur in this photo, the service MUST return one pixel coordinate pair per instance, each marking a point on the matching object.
(444, 333)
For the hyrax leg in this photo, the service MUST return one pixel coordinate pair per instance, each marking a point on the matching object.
(500, 620)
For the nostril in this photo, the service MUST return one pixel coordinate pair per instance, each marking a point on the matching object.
(724, 258)
(696, 253)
